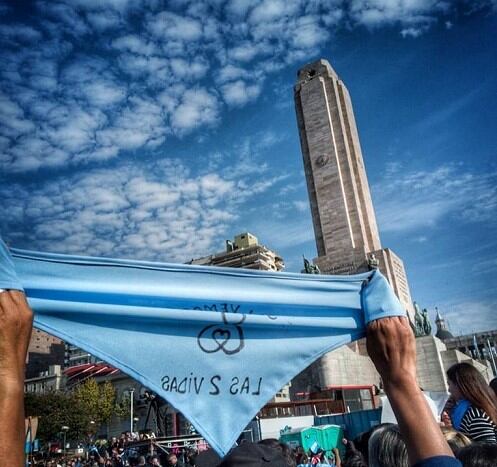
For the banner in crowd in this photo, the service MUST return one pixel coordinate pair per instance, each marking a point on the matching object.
(216, 343)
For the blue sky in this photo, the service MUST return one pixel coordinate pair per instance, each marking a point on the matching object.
(155, 130)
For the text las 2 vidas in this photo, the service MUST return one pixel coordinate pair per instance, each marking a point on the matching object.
(214, 386)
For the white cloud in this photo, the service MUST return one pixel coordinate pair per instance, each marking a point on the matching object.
(301, 205)
(181, 64)
(374, 13)
(238, 93)
(104, 20)
(166, 25)
(104, 93)
(468, 317)
(19, 32)
(197, 107)
(135, 44)
(413, 200)
(157, 210)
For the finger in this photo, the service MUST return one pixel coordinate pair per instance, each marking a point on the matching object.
(6, 302)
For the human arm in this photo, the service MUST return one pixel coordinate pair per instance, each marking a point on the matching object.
(391, 346)
(338, 460)
(15, 331)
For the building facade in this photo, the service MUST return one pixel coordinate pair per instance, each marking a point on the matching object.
(48, 380)
(44, 351)
(344, 221)
(244, 252)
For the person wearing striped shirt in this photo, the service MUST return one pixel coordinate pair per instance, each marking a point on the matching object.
(475, 412)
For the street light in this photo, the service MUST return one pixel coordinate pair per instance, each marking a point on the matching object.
(65, 429)
(131, 400)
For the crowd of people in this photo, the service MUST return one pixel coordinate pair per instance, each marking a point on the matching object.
(418, 439)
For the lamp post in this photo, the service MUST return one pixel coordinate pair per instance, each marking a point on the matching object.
(90, 436)
(64, 429)
(131, 400)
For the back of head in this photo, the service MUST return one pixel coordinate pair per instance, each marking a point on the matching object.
(353, 456)
(478, 455)
(282, 447)
(254, 455)
(474, 388)
(361, 444)
(355, 460)
(207, 458)
(455, 439)
(387, 448)
(493, 386)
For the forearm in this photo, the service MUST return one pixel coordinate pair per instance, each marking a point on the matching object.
(15, 331)
(421, 432)
(12, 426)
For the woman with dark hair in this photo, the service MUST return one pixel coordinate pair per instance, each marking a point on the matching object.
(282, 447)
(475, 412)
(493, 385)
(478, 455)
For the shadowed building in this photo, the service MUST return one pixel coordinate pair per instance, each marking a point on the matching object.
(244, 252)
(345, 229)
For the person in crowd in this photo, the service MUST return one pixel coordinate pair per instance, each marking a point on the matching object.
(478, 455)
(153, 461)
(390, 344)
(300, 457)
(475, 412)
(353, 456)
(445, 420)
(493, 386)
(455, 439)
(392, 348)
(386, 447)
(250, 455)
(282, 447)
(172, 461)
(208, 458)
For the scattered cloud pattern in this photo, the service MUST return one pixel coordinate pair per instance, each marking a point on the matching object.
(158, 210)
(88, 81)
(418, 199)
(91, 91)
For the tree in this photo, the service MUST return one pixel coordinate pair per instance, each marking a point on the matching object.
(83, 410)
(97, 401)
(55, 410)
(107, 403)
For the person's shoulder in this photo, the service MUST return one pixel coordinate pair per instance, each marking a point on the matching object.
(475, 412)
(439, 461)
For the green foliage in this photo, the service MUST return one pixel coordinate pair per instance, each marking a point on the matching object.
(122, 407)
(55, 410)
(88, 402)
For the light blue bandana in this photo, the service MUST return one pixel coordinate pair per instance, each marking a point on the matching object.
(217, 343)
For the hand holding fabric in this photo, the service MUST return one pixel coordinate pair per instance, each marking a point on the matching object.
(15, 330)
(391, 346)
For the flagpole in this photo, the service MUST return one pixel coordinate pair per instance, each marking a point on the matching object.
(494, 368)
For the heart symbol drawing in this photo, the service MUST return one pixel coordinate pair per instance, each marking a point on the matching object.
(228, 339)
(221, 336)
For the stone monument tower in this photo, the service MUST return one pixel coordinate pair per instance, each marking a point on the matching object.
(345, 229)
